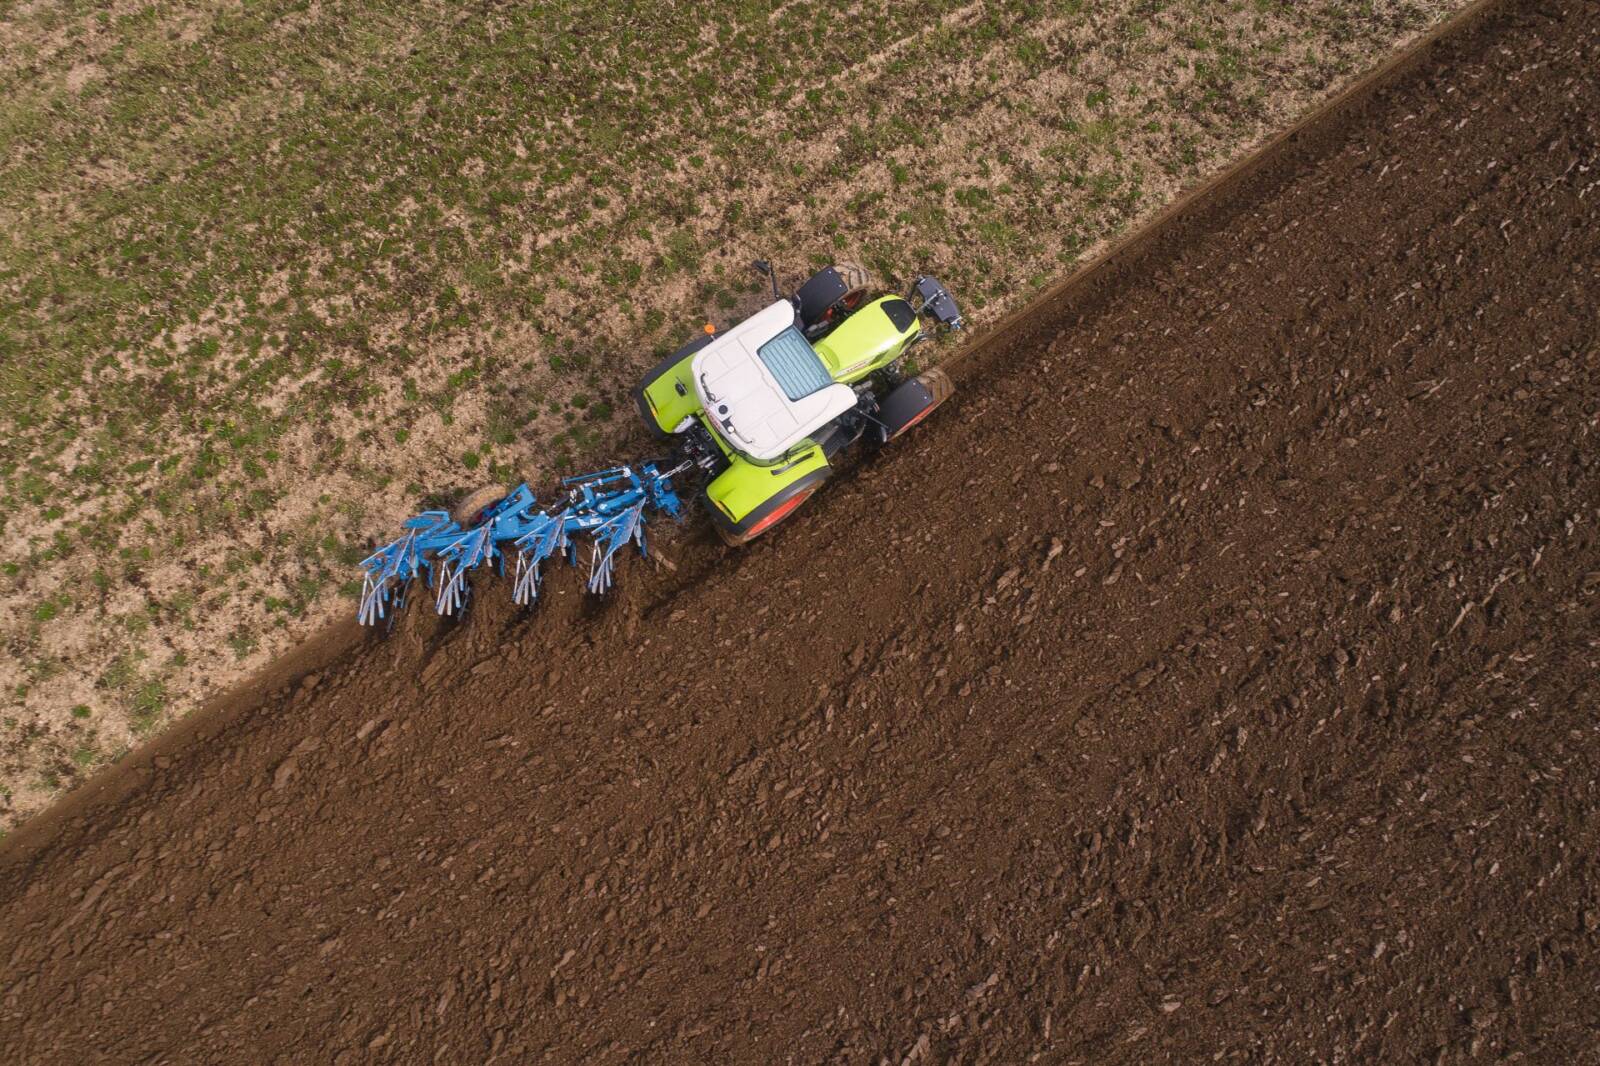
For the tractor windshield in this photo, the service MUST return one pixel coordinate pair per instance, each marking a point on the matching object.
(795, 364)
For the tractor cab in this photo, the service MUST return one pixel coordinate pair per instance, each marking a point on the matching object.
(764, 388)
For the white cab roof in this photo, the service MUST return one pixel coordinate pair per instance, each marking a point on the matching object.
(745, 401)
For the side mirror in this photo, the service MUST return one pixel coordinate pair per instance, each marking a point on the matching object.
(764, 267)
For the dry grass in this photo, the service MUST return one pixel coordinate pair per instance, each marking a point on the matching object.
(269, 275)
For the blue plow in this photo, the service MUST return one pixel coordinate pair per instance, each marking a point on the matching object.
(608, 509)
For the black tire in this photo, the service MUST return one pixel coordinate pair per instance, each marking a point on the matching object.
(913, 401)
(473, 504)
(660, 370)
(833, 293)
(856, 277)
(766, 517)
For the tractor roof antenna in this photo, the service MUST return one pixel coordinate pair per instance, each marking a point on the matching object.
(772, 275)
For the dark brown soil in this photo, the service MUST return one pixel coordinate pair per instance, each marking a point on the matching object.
(1214, 680)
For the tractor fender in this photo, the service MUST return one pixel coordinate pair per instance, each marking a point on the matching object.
(832, 291)
(913, 401)
(666, 396)
(746, 500)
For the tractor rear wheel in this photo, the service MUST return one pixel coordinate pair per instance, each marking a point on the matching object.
(739, 539)
(913, 401)
(736, 533)
(474, 503)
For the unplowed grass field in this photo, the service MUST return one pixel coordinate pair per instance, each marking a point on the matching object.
(272, 275)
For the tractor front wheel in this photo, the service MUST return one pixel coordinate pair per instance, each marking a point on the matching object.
(833, 294)
(913, 401)
(858, 282)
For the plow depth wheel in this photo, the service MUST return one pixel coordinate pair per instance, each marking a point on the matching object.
(467, 512)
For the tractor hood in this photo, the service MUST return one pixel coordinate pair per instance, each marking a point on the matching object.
(868, 337)
(763, 387)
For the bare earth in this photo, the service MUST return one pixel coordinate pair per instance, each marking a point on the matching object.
(1214, 682)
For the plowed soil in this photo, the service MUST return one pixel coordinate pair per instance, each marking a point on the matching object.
(1215, 680)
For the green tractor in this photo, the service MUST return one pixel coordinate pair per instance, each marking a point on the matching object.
(764, 407)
